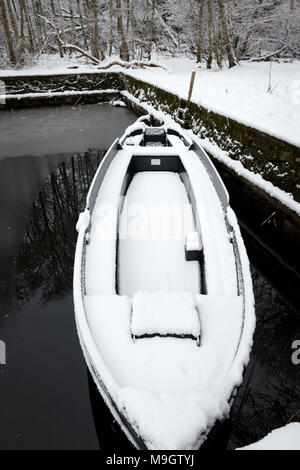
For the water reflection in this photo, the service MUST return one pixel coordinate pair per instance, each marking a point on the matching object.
(44, 388)
(270, 394)
(47, 255)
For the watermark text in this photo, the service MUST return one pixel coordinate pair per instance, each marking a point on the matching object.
(2, 353)
(296, 353)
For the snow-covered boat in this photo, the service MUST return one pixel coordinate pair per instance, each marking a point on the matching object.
(162, 288)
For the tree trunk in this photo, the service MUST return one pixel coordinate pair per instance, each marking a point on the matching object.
(128, 10)
(210, 24)
(200, 31)
(216, 43)
(82, 24)
(151, 35)
(12, 18)
(132, 25)
(227, 43)
(87, 19)
(72, 25)
(124, 53)
(110, 27)
(95, 38)
(61, 53)
(9, 40)
(41, 12)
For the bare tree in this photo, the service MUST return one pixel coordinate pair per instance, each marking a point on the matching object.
(226, 38)
(200, 31)
(95, 36)
(9, 39)
(124, 53)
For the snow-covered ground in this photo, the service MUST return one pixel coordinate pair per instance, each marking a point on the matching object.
(240, 93)
(285, 438)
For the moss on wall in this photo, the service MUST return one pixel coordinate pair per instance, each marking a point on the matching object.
(275, 160)
(65, 82)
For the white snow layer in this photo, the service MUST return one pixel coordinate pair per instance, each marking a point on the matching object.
(285, 438)
(285, 198)
(171, 390)
(164, 313)
(193, 242)
(155, 218)
(239, 93)
(56, 94)
(164, 381)
(282, 196)
(101, 251)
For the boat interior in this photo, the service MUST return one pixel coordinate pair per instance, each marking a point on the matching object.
(154, 262)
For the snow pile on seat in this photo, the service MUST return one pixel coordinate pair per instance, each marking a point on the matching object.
(155, 217)
(165, 313)
(193, 242)
(285, 438)
(168, 364)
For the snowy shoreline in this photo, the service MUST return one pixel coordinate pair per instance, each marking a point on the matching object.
(156, 77)
(239, 93)
(283, 197)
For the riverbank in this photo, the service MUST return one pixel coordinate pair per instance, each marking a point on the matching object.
(262, 95)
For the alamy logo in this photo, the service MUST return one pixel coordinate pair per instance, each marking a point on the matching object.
(2, 353)
(2, 92)
(296, 353)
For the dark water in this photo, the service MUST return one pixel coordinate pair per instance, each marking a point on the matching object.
(47, 398)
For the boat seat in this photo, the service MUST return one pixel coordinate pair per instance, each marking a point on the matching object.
(155, 137)
(165, 314)
(193, 246)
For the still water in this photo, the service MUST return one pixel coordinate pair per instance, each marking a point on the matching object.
(47, 399)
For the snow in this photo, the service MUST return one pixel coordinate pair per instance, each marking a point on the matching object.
(51, 64)
(220, 267)
(101, 251)
(283, 197)
(83, 220)
(193, 242)
(171, 390)
(167, 380)
(239, 93)
(53, 94)
(119, 103)
(155, 217)
(164, 313)
(285, 438)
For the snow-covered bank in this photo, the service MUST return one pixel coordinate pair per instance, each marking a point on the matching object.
(282, 196)
(55, 94)
(285, 438)
(285, 198)
(239, 93)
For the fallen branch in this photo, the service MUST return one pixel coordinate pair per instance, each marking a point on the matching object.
(72, 47)
(128, 65)
(267, 57)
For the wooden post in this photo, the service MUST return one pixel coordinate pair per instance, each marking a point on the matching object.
(183, 114)
(191, 87)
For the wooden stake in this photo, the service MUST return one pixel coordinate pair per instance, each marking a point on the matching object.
(191, 87)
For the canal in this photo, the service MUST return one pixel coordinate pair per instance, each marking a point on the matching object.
(48, 157)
